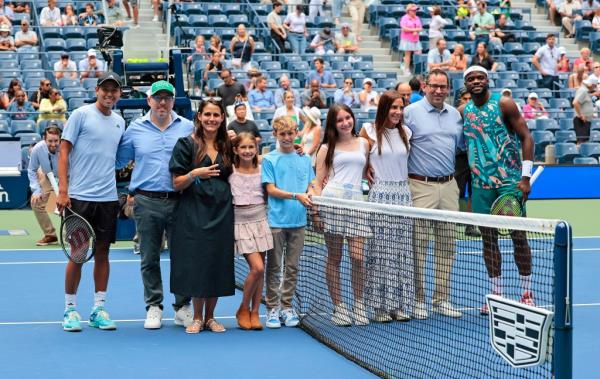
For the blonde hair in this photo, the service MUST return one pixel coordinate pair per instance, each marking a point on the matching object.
(284, 123)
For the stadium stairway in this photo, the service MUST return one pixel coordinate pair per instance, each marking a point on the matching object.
(539, 19)
(148, 41)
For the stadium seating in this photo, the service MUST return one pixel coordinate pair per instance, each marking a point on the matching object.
(565, 152)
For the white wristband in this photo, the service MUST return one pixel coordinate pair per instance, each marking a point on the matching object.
(527, 168)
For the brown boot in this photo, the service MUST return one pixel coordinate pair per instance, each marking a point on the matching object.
(255, 321)
(243, 319)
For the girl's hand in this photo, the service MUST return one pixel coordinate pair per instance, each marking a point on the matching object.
(304, 198)
(206, 172)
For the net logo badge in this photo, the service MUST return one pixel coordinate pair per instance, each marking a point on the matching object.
(519, 332)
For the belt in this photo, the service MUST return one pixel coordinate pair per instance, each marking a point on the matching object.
(436, 179)
(158, 195)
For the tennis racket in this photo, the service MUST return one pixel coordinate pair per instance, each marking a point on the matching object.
(77, 236)
(510, 204)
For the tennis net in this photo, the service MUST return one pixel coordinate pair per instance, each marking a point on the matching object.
(373, 274)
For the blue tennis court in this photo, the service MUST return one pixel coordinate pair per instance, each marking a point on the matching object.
(34, 344)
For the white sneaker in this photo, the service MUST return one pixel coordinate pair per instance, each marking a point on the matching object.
(341, 315)
(153, 317)
(420, 311)
(155, 18)
(400, 315)
(407, 72)
(359, 314)
(184, 316)
(382, 316)
(446, 309)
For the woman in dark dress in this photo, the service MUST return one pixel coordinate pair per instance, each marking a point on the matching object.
(202, 241)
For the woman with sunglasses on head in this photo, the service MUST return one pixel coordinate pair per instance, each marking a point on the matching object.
(390, 284)
(202, 240)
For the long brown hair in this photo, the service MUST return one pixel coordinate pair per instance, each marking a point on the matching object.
(236, 143)
(331, 133)
(383, 109)
(222, 143)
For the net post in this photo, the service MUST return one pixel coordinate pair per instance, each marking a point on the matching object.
(563, 307)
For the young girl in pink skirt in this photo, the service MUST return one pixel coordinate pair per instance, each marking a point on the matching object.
(252, 233)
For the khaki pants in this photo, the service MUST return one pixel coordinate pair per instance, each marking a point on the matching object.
(287, 247)
(357, 12)
(569, 23)
(434, 196)
(39, 210)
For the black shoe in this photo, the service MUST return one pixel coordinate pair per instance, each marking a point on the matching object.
(472, 231)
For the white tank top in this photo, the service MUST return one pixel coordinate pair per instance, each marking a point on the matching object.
(307, 140)
(392, 164)
(348, 166)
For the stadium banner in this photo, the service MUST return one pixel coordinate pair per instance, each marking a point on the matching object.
(567, 182)
(14, 191)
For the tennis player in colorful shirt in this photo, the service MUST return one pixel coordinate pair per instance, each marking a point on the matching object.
(500, 151)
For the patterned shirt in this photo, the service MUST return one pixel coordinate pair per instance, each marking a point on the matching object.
(494, 151)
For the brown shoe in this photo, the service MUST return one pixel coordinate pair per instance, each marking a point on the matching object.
(243, 319)
(47, 240)
(255, 321)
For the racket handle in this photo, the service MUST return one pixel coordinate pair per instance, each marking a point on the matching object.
(53, 182)
(536, 174)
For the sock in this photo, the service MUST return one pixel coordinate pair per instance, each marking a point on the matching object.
(526, 282)
(70, 301)
(497, 285)
(99, 299)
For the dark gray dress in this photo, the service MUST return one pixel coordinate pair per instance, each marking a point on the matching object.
(202, 240)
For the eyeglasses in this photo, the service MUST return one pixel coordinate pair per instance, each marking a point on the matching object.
(158, 99)
(435, 87)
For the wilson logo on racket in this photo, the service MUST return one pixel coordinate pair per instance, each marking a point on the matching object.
(519, 332)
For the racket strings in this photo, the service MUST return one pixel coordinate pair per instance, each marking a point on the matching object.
(507, 206)
(78, 238)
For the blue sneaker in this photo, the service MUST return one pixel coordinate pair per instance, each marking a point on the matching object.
(101, 320)
(71, 320)
(290, 317)
(273, 321)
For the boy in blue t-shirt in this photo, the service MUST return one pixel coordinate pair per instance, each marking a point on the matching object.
(286, 176)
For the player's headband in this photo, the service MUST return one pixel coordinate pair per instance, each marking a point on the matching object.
(475, 69)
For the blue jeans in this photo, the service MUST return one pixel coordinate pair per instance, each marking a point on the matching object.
(336, 8)
(547, 81)
(298, 42)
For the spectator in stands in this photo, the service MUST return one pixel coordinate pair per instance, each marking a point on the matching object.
(563, 64)
(439, 57)
(90, 66)
(135, 9)
(275, 23)
(357, 13)
(88, 18)
(436, 25)
(315, 7)
(155, 9)
(199, 49)
(416, 86)
(584, 58)
(324, 43)
(501, 35)
(216, 45)
(7, 42)
(463, 97)
(53, 108)
(553, 10)
(295, 24)
(114, 14)
(21, 109)
(504, 9)
(482, 24)
(311, 132)
(596, 20)
(13, 87)
(70, 17)
(545, 61)
(346, 41)
(261, 98)
(368, 97)
(289, 108)
(462, 11)
(50, 15)
(22, 7)
(6, 13)
(507, 92)
(587, 9)
(230, 91)
(534, 109)
(595, 71)
(411, 26)
(214, 65)
(580, 74)
(253, 75)
(584, 109)
(346, 95)
(65, 67)
(313, 96)
(284, 86)
(483, 58)
(25, 38)
(324, 77)
(403, 88)
(241, 123)
(570, 12)
(241, 49)
(459, 60)
(42, 93)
